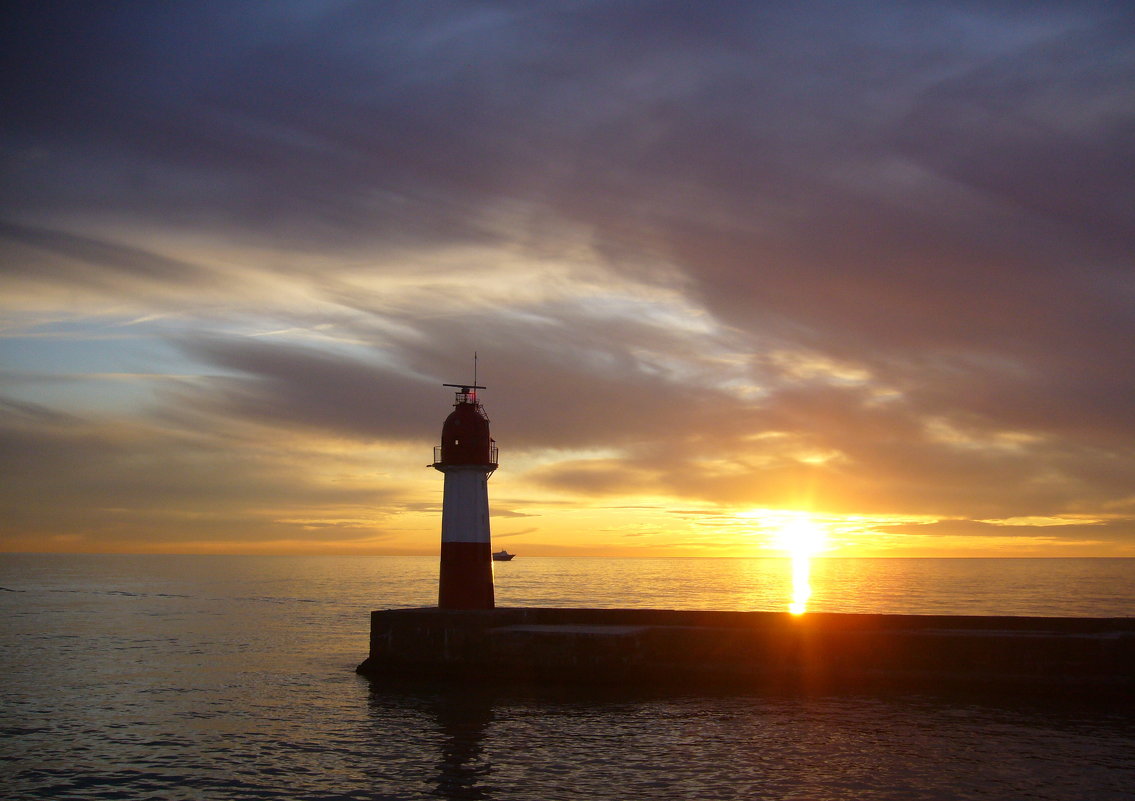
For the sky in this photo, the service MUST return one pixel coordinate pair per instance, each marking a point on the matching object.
(727, 268)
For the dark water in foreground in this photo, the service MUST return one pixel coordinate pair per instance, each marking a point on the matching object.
(231, 678)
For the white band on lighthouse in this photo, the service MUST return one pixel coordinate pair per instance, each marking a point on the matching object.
(465, 508)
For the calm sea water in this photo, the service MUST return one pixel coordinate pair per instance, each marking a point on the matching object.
(203, 677)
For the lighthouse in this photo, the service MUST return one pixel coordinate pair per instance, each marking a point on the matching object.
(467, 457)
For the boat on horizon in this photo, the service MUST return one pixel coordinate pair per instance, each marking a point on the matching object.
(503, 556)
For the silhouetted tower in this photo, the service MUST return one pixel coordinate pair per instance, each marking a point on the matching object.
(467, 456)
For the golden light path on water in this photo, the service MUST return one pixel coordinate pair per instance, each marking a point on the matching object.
(802, 538)
(801, 585)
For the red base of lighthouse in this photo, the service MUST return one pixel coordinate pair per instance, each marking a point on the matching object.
(466, 576)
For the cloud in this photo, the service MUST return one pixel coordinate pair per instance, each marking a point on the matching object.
(133, 483)
(46, 255)
(304, 387)
(1101, 531)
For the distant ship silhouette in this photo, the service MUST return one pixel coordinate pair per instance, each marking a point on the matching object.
(503, 556)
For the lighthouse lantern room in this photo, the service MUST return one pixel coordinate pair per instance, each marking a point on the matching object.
(467, 456)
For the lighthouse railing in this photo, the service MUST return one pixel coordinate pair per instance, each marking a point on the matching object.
(492, 454)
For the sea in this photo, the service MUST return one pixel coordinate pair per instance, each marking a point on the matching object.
(232, 677)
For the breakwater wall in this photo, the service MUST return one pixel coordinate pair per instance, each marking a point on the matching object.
(814, 651)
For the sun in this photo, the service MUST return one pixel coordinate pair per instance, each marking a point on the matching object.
(801, 537)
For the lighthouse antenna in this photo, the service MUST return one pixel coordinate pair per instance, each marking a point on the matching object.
(468, 393)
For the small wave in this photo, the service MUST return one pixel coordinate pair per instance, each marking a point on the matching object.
(17, 731)
(270, 600)
(120, 593)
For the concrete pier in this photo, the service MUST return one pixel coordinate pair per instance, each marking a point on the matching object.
(815, 651)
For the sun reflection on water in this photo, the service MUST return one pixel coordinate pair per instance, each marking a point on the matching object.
(801, 586)
(802, 538)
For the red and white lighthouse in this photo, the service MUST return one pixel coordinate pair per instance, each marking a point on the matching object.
(467, 456)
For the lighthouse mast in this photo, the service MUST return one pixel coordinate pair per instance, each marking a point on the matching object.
(467, 457)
